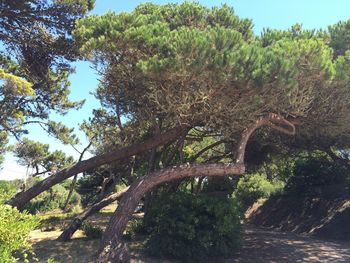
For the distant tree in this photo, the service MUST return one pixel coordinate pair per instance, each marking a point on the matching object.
(37, 47)
(37, 155)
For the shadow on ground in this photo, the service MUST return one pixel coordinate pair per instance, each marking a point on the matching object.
(265, 245)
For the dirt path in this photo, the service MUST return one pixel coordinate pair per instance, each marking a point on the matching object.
(269, 246)
(259, 246)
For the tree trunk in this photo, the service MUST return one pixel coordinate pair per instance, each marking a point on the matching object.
(77, 221)
(71, 189)
(112, 250)
(22, 198)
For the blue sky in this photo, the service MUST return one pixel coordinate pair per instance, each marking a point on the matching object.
(279, 14)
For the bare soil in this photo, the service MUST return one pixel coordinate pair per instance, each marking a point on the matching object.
(259, 246)
(271, 246)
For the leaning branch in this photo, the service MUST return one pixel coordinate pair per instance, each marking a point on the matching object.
(112, 249)
(78, 220)
(272, 120)
(171, 135)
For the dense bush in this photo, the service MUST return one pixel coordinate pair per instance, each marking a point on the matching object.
(252, 187)
(219, 186)
(135, 226)
(314, 175)
(54, 198)
(91, 231)
(14, 228)
(192, 228)
(7, 189)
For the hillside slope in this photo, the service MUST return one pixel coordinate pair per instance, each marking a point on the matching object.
(326, 218)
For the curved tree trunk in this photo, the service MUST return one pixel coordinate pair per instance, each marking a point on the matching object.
(22, 198)
(113, 250)
(77, 221)
(110, 252)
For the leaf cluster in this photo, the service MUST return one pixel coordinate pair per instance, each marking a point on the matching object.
(188, 64)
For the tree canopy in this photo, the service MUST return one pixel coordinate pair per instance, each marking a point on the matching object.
(187, 64)
(187, 86)
(37, 48)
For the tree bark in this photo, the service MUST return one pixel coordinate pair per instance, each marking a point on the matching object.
(113, 250)
(22, 198)
(78, 221)
(70, 193)
(113, 234)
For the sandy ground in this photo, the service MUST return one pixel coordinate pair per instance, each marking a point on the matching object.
(259, 246)
(265, 245)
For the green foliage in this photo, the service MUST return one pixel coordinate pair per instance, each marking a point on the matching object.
(52, 260)
(16, 85)
(37, 155)
(54, 198)
(87, 187)
(14, 230)
(7, 190)
(254, 186)
(14, 227)
(185, 63)
(219, 186)
(135, 226)
(34, 61)
(91, 231)
(340, 37)
(312, 175)
(193, 228)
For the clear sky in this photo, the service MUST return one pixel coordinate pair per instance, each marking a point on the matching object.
(279, 14)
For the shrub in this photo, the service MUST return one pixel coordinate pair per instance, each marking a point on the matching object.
(7, 189)
(52, 199)
(134, 227)
(314, 174)
(192, 228)
(91, 231)
(252, 187)
(219, 186)
(14, 230)
(14, 227)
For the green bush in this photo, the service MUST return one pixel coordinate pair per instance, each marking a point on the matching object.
(91, 231)
(14, 230)
(7, 189)
(54, 198)
(314, 174)
(134, 227)
(14, 227)
(219, 186)
(192, 228)
(252, 187)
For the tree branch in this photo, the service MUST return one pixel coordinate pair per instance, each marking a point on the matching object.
(22, 198)
(111, 249)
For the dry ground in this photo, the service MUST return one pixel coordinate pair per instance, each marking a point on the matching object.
(265, 245)
(259, 246)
